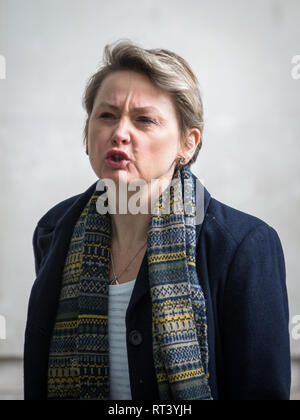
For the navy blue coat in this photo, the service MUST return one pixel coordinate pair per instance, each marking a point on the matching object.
(241, 268)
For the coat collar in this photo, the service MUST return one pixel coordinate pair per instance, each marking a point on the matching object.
(48, 282)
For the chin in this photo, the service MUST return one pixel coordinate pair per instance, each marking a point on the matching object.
(118, 176)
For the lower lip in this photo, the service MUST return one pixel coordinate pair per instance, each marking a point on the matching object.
(117, 165)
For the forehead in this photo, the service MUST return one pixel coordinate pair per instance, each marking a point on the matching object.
(134, 88)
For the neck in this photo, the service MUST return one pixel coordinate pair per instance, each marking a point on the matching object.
(129, 230)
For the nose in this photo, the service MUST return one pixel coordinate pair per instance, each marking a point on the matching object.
(121, 135)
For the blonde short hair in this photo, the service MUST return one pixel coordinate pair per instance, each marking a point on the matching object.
(165, 69)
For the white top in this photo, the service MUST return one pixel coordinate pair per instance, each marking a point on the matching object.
(119, 297)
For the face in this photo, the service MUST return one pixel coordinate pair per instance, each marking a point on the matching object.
(133, 115)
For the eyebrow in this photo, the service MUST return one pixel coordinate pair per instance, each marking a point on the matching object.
(135, 109)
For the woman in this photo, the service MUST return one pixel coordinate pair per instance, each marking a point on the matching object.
(158, 304)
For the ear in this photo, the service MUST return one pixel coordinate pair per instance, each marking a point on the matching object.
(191, 142)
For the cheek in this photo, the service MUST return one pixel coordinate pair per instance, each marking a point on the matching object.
(94, 132)
(156, 158)
(164, 151)
(97, 135)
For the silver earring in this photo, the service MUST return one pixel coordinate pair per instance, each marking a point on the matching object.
(181, 161)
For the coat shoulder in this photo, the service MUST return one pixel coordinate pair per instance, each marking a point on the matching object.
(51, 217)
(231, 222)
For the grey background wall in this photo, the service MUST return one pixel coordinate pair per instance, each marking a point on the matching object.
(242, 54)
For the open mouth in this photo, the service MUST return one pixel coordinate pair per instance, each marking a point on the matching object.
(117, 155)
(117, 158)
(117, 161)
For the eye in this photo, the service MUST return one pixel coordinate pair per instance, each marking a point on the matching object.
(106, 115)
(146, 120)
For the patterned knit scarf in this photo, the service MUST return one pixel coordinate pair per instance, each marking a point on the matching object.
(79, 351)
